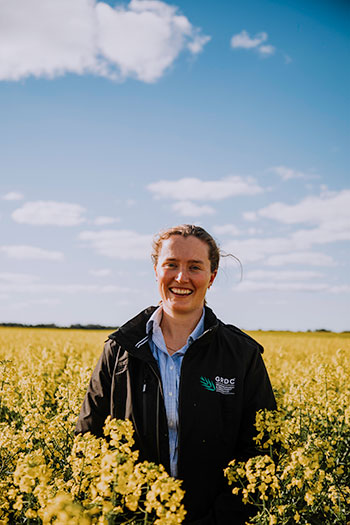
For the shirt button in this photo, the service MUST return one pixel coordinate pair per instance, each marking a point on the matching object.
(170, 393)
(171, 368)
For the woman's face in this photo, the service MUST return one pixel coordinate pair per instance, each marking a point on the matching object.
(183, 273)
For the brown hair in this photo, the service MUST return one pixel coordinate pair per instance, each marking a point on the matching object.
(186, 230)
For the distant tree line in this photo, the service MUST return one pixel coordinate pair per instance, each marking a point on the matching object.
(53, 325)
(79, 326)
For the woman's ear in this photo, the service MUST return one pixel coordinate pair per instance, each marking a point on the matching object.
(212, 277)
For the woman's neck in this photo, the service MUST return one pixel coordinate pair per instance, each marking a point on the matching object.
(177, 328)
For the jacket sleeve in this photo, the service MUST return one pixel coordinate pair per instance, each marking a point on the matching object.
(258, 394)
(97, 401)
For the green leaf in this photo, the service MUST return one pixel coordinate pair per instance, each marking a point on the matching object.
(207, 383)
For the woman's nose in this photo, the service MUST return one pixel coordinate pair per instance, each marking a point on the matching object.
(181, 276)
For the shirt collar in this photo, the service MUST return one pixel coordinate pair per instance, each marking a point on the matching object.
(153, 325)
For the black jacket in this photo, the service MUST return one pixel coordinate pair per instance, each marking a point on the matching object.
(223, 383)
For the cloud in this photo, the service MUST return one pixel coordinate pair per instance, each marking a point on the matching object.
(287, 281)
(49, 213)
(27, 304)
(327, 217)
(331, 208)
(256, 249)
(103, 220)
(226, 229)
(17, 278)
(302, 258)
(197, 189)
(288, 173)
(64, 288)
(329, 212)
(282, 275)
(266, 50)
(12, 196)
(249, 215)
(282, 281)
(23, 252)
(49, 38)
(256, 286)
(103, 272)
(119, 244)
(190, 209)
(242, 40)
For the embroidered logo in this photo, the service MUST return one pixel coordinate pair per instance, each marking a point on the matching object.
(222, 385)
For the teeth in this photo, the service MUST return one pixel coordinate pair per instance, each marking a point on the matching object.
(181, 291)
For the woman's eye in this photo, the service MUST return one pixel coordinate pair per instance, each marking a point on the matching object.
(195, 268)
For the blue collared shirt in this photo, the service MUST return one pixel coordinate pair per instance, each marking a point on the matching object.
(170, 367)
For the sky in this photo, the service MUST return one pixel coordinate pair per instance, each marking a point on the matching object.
(119, 119)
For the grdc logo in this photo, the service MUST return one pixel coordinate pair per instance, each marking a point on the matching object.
(222, 385)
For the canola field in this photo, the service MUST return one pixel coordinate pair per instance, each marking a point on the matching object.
(302, 474)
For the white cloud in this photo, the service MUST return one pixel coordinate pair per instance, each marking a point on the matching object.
(282, 275)
(103, 220)
(288, 173)
(12, 196)
(226, 229)
(256, 249)
(190, 209)
(302, 258)
(49, 213)
(103, 272)
(18, 278)
(197, 189)
(52, 37)
(257, 286)
(27, 304)
(249, 216)
(119, 244)
(23, 252)
(344, 288)
(266, 50)
(64, 288)
(243, 40)
(332, 208)
(282, 281)
(327, 214)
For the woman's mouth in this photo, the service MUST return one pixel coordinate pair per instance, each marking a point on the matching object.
(181, 291)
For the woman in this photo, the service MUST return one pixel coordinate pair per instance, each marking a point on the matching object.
(190, 383)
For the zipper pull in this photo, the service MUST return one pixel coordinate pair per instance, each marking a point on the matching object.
(144, 387)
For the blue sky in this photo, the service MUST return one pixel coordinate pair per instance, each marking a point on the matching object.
(120, 119)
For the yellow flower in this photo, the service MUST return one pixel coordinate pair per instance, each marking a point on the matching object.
(309, 498)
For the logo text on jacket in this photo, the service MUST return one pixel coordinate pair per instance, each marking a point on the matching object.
(222, 385)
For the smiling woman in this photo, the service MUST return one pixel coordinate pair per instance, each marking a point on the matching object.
(190, 384)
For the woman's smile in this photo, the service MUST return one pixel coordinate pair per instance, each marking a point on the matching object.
(181, 291)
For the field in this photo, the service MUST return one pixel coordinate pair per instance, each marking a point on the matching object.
(48, 477)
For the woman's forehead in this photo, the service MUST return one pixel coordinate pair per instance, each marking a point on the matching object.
(189, 247)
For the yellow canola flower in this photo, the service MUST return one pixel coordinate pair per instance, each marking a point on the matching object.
(43, 378)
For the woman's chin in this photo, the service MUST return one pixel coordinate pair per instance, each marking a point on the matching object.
(181, 305)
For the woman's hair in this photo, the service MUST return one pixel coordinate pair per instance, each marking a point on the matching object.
(185, 230)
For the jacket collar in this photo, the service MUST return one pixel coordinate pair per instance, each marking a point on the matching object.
(133, 335)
